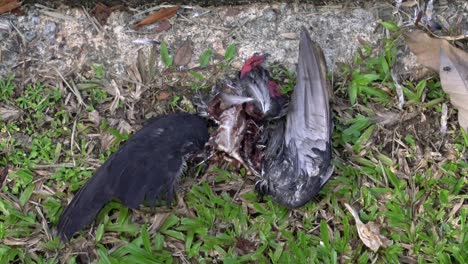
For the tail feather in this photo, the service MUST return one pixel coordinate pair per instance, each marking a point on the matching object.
(81, 211)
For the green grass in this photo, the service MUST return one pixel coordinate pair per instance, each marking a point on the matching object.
(399, 176)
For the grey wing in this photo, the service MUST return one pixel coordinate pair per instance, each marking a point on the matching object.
(308, 124)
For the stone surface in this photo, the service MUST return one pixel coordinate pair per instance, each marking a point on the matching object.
(70, 40)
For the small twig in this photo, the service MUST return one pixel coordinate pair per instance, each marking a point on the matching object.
(239, 189)
(72, 142)
(23, 38)
(117, 97)
(43, 7)
(399, 90)
(93, 21)
(45, 227)
(128, 80)
(443, 125)
(57, 15)
(61, 165)
(443, 120)
(73, 89)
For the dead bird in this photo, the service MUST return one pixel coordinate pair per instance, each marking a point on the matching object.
(145, 168)
(241, 106)
(297, 160)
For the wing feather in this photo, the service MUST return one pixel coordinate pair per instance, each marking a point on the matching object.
(145, 167)
(308, 123)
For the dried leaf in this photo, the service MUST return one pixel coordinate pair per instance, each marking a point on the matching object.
(427, 49)
(368, 233)
(9, 113)
(102, 12)
(454, 79)
(94, 117)
(141, 66)
(183, 54)
(160, 15)
(107, 140)
(161, 26)
(9, 5)
(3, 175)
(124, 127)
(163, 96)
(450, 62)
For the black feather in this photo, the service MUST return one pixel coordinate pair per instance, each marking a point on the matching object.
(146, 167)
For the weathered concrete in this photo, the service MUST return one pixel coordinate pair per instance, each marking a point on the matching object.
(39, 41)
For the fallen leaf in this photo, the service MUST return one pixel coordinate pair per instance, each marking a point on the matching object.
(163, 96)
(94, 117)
(3, 175)
(102, 12)
(183, 54)
(368, 233)
(9, 5)
(454, 80)
(161, 26)
(9, 113)
(450, 62)
(245, 246)
(162, 14)
(124, 127)
(427, 49)
(107, 140)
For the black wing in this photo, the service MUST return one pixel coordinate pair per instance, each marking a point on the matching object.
(146, 167)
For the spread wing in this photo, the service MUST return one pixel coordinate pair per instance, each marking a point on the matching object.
(308, 125)
(146, 167)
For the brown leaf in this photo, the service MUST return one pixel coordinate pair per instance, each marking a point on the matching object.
(183, 54)
(163, 96)
(162, 14)
(161, 26)
(9, 113)
(450, 62)
(3, 175)
(245, 246)
(107, 140)
(102, 12)
(94, 117)
(368, 233)
(427, 49)
(454, 79)
(9, 5)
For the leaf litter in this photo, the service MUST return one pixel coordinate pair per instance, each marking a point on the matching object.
(368, 233)
(160, 15)
(450, 62)
(183, 54)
